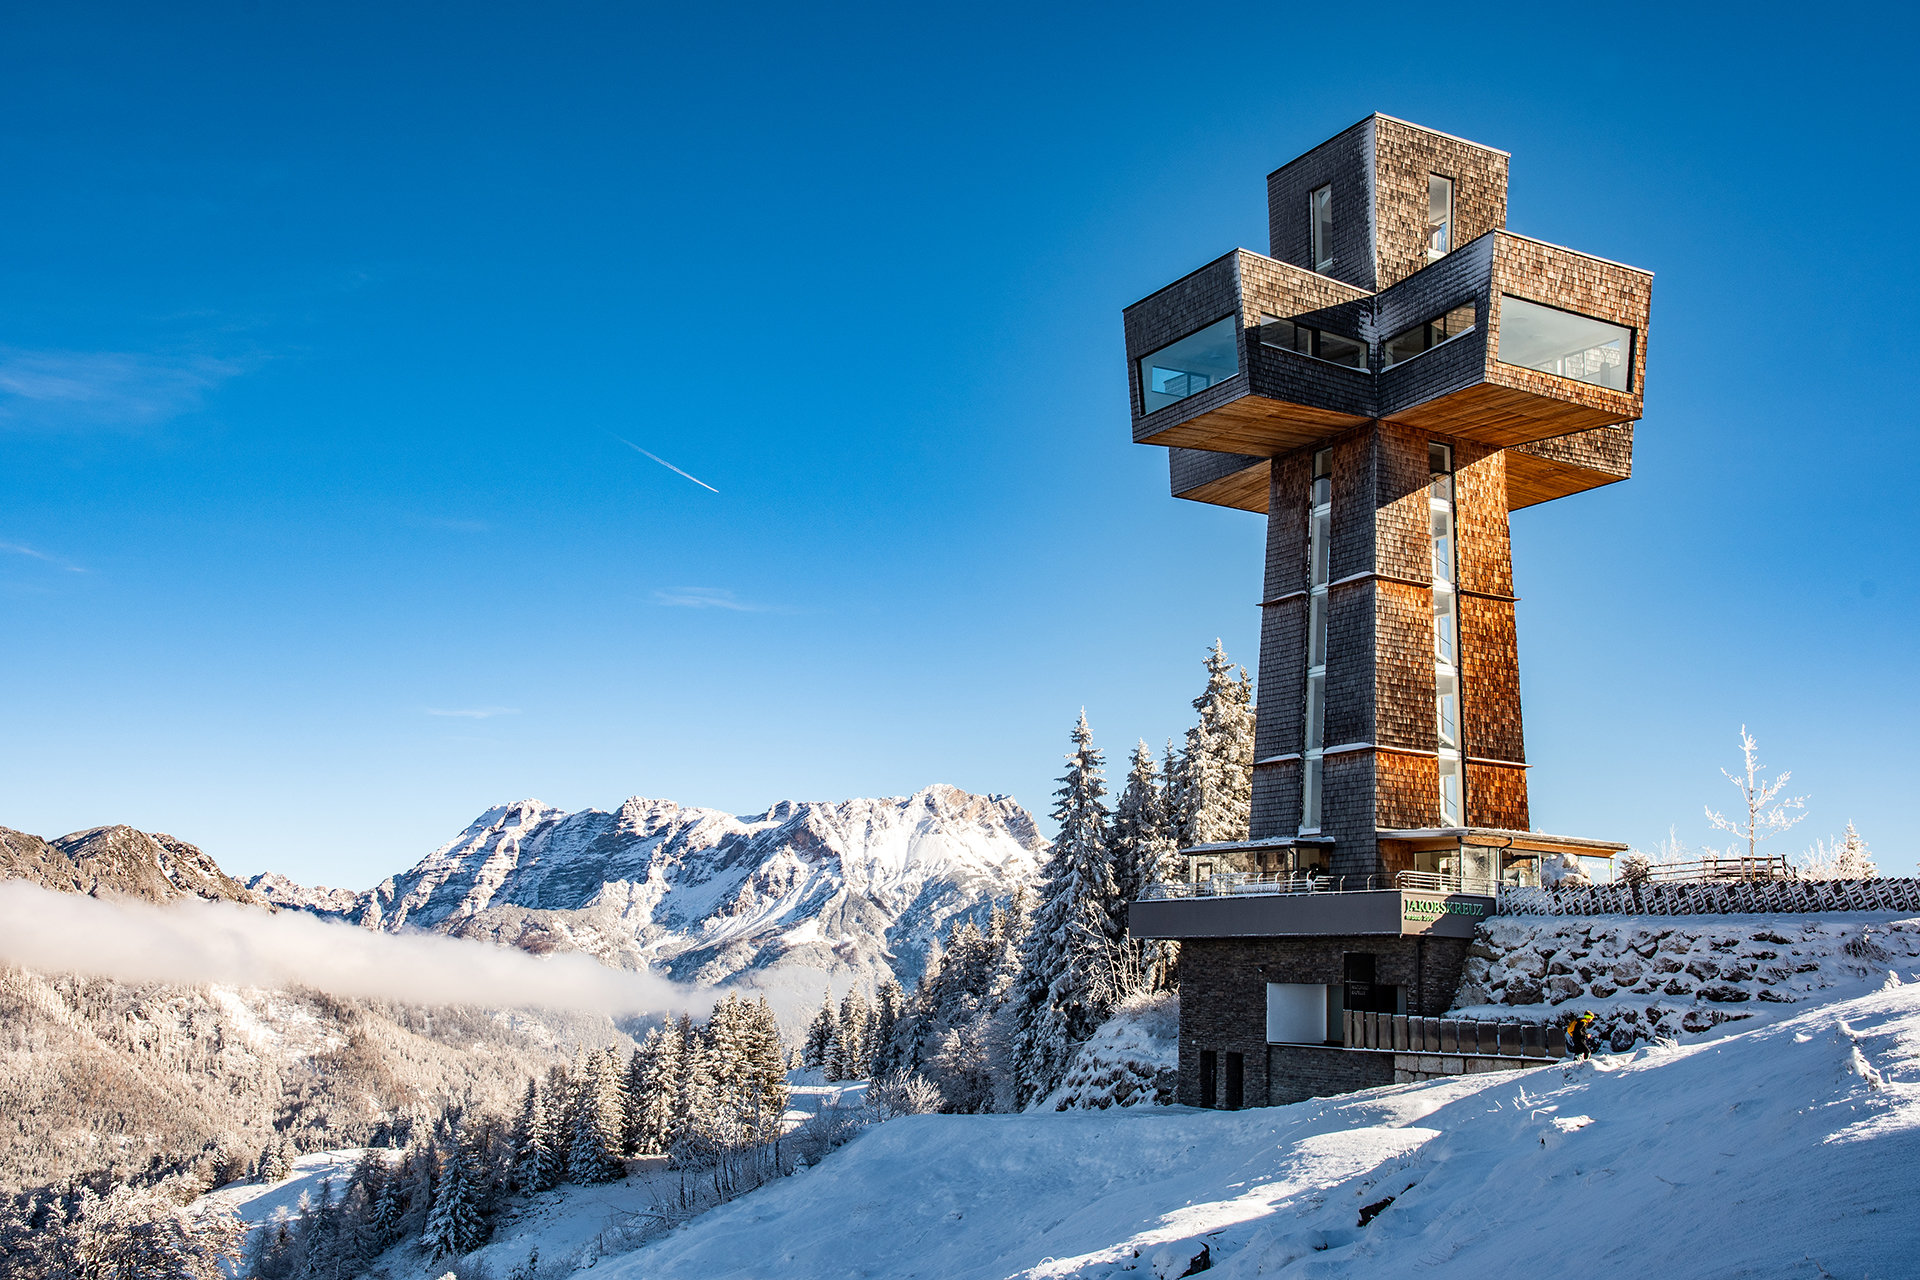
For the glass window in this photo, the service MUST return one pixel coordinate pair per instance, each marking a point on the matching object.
(1309, 341)
(1446, 697)
(1192, 364)
(1320, 218)
(1319, 546)
(1446, 627)
(1533, 336)
(1439, 215)
(1426, 335)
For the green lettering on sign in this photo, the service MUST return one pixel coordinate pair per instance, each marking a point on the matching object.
(1429, 909)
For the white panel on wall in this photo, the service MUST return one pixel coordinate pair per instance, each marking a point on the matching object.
(1296, 1013)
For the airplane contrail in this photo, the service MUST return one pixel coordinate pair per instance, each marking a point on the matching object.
(663, 462)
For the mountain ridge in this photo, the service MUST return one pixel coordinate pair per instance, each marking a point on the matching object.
(803, 895)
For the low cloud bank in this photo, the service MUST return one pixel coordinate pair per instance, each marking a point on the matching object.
(194, 942)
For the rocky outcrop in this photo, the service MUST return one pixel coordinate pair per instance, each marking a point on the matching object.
(119, 861)
(1646, 977)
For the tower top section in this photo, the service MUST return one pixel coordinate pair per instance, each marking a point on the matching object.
(1393, 294)
(1378, 201)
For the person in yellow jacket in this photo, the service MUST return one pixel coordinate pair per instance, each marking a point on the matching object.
(1580, 1035)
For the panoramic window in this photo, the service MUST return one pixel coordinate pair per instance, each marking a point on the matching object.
(1446, 630)
(1574, 346)
(1319, 550)
(1309, 341)
(1439, 215)
(1192, 364)
(1426, 335)
(1320, 219)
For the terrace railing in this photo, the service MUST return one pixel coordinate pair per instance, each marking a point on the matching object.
(1400, 1033)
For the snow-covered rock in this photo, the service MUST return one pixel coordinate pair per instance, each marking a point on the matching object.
(790, 900)
(119, 861)
(1645, 977)
(1132, 1060)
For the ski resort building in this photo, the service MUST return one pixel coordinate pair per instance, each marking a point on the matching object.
(1394, 378)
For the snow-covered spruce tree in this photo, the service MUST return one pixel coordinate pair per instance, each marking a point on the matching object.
(1144, 852)
(537, 1164)
(660, 1108)
(763, 1079)
(593, 1153)
(1054, 1005)
(633, 1102)
(453, 1225)
(889, 1001)
(1212, 784)
(854, 1055)
(1855, 860)
(697, 1118)
(1142, 837)
(1841, 858)
(820, 1034)
(1763, 811)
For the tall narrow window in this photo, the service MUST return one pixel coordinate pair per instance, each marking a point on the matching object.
(1446, 633)
(1320, 219)
(1439, 215)
(1319, 556)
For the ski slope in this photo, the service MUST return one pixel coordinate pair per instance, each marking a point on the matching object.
(1788, 1150)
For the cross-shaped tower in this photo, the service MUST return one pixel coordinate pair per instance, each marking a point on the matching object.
(1400, 374)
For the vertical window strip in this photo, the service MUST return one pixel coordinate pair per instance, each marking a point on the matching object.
(1446, 634)
(1319, 555)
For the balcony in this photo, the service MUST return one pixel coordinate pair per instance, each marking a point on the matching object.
(1245, 906)
(1506, 341)
(1202, 377)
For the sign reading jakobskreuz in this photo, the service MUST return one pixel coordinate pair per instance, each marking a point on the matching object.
(1427, 909)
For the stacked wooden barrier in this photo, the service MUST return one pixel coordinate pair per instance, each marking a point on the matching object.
(1714, 897)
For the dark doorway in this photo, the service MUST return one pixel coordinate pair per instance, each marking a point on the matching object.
(1209, 1072)
(1236, 1082)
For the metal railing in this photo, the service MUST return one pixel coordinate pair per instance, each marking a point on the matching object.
(1446, 882)
(1400, 1033)
(1232, 884)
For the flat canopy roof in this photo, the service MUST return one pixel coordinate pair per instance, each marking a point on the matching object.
(1502, 838)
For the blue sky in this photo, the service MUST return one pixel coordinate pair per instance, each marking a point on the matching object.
(321, 331)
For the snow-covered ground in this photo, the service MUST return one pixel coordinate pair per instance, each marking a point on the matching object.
(1787, 1145)
(1788, 1150)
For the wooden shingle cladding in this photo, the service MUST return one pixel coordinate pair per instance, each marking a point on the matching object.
(1517, 436)
(1280, 400)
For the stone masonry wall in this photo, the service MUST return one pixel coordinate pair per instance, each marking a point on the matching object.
(1223, 994)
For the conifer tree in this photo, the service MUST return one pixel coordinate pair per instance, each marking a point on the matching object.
(1055, 1004)
(1212, 791)
(889, 1001)
(758, 1083)
(820, 1034)
(1142, 836)
(634, 1093)
(593, 1152)
(853, 1055)
(453, 1225)
(697, 1116)
(537, 1163)
(660, 1106)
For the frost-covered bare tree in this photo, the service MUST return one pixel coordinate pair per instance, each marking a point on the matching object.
(1763, 811)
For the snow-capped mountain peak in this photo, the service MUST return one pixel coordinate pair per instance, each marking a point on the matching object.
(803, 895)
